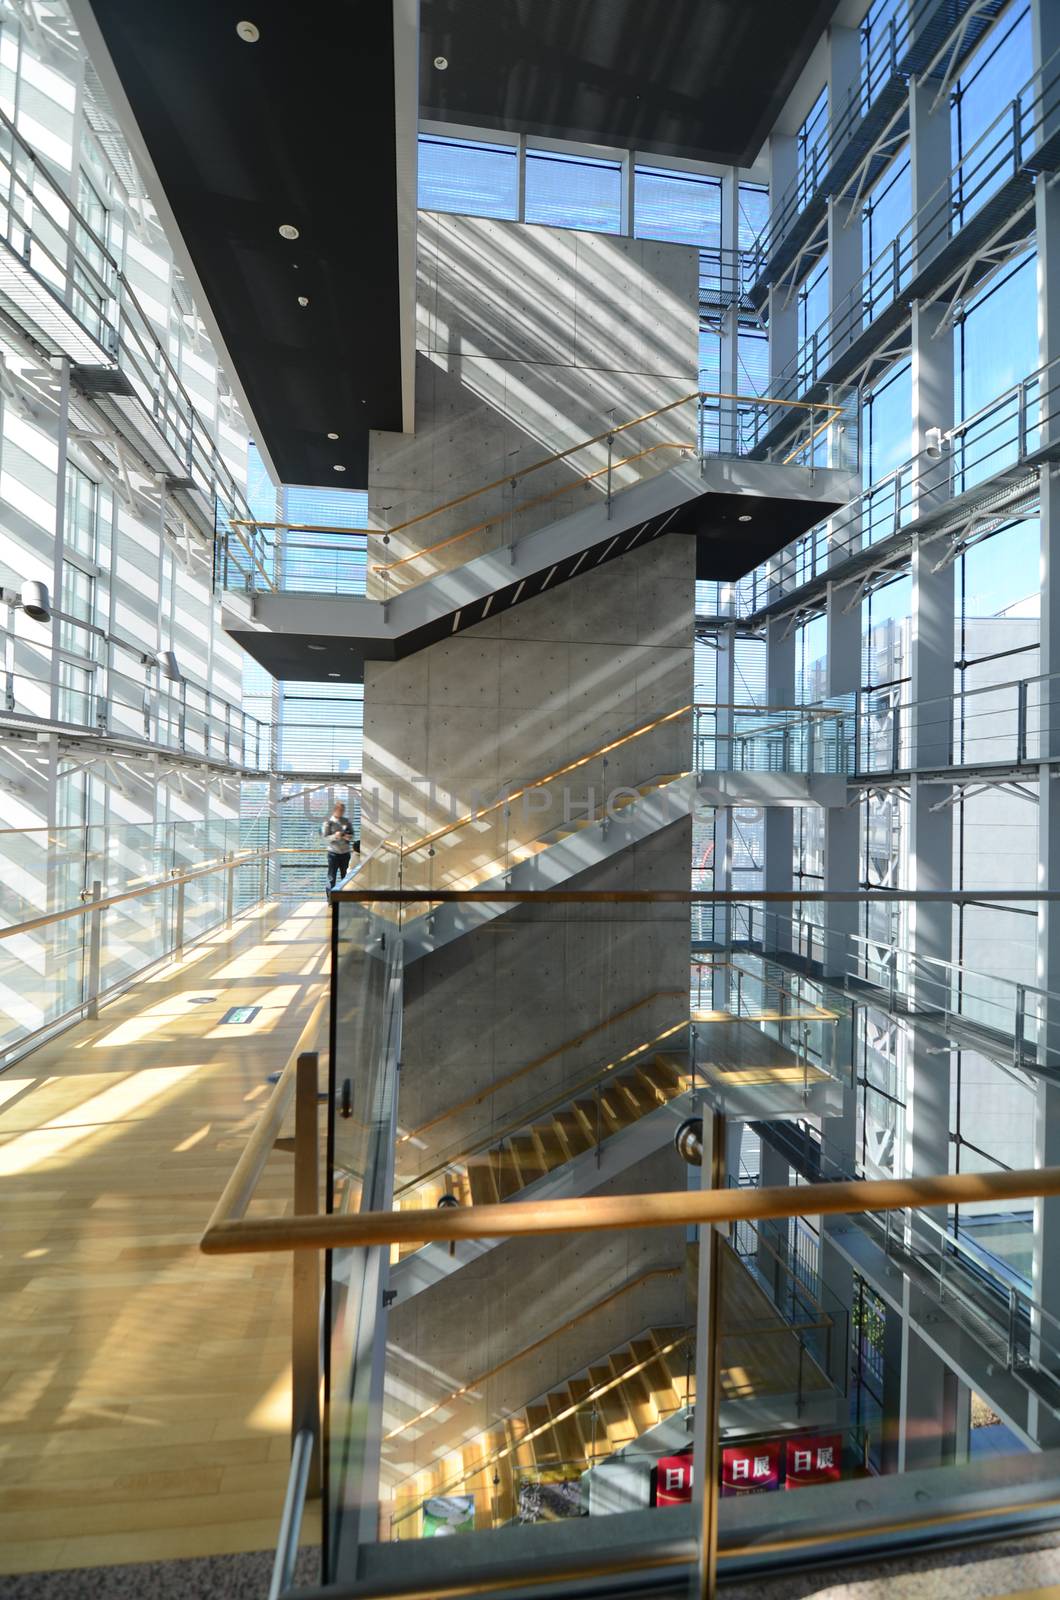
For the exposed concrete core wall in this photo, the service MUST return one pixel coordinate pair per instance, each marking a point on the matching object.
(530, 340)
(528, 337)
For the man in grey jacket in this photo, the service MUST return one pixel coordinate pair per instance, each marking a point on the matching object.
(338, 832)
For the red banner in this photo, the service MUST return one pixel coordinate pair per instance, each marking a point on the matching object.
(750, 1468)
(818, 1460)
(673, 1480)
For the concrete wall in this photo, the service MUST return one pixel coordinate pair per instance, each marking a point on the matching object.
(530, 341)
(509, 1298)
(528, 337)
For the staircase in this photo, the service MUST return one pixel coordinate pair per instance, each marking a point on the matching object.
(547, 862)
(699, 498)
(557, 1437)
(511, 1164)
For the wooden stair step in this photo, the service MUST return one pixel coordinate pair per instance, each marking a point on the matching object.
(543, 1443)
(613, 1415)
(567, 1435)
(551, 1144)
(505, 1172)
(635, 1391)
(529, 1160)
(573, 1132)
(482, 1181)
(657, 1376)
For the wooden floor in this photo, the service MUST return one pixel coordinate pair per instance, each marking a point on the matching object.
(144, 1389)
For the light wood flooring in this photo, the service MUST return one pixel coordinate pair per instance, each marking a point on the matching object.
(144, 1388)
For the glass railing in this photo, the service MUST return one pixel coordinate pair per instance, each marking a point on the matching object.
(599, 1349)
(84, 911)
(1012, 1020)
(366, 1024)
(519, 500)
(789, 739)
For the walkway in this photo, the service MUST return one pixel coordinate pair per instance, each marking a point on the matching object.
(144, 1390)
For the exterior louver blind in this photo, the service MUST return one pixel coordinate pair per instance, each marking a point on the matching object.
(678, 207)
(477, 180)
(573, 192)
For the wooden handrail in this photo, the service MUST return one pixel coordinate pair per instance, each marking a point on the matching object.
(518, 1120)
(538, 783)
(239, 1189)
(811, 406)
(539, 1061)
(565, 1327)
(528, 505)
(607, 1213)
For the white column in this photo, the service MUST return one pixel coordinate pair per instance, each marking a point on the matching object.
(779, 820)
(1045, 31)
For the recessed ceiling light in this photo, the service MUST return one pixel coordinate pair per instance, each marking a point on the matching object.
(248, 32)
(441, 63)
(744, 518)
(332, 435)
(303, 299)
(339, 467)
(333, 674)
(288, 230)
(316, 647)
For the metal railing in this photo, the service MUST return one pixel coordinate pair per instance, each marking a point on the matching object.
(954, 491)
(61, 275)
(890, 57)
(257, 555)
(369, 1233)
(1013, 1021)
(817, 738)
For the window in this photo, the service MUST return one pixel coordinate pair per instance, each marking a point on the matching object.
(679, 207)
(569, 191)
(753, 204)
(92, 270)
(477, 180)
(885, 249)
(813, 324)
(884, 35)
(886, 441)
(77, 600)
(995, 347)
(812, 143)
(81, 519)
(981, 124)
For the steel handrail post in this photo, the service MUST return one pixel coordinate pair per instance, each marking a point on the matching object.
(305, 1279)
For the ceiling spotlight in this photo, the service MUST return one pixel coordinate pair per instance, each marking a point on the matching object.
(339, 467)
(288, 230)
(316, 646)
(441, 63)
(332, 435)
(303, 299)
(248, 32)
(333, 674)
(744, 518)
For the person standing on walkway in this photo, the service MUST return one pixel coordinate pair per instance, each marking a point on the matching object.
(338, 831)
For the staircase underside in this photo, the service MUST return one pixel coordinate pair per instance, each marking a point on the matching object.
(704, 501)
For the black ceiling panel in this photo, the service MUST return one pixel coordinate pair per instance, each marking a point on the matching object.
(295, 128)
(703, 79)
